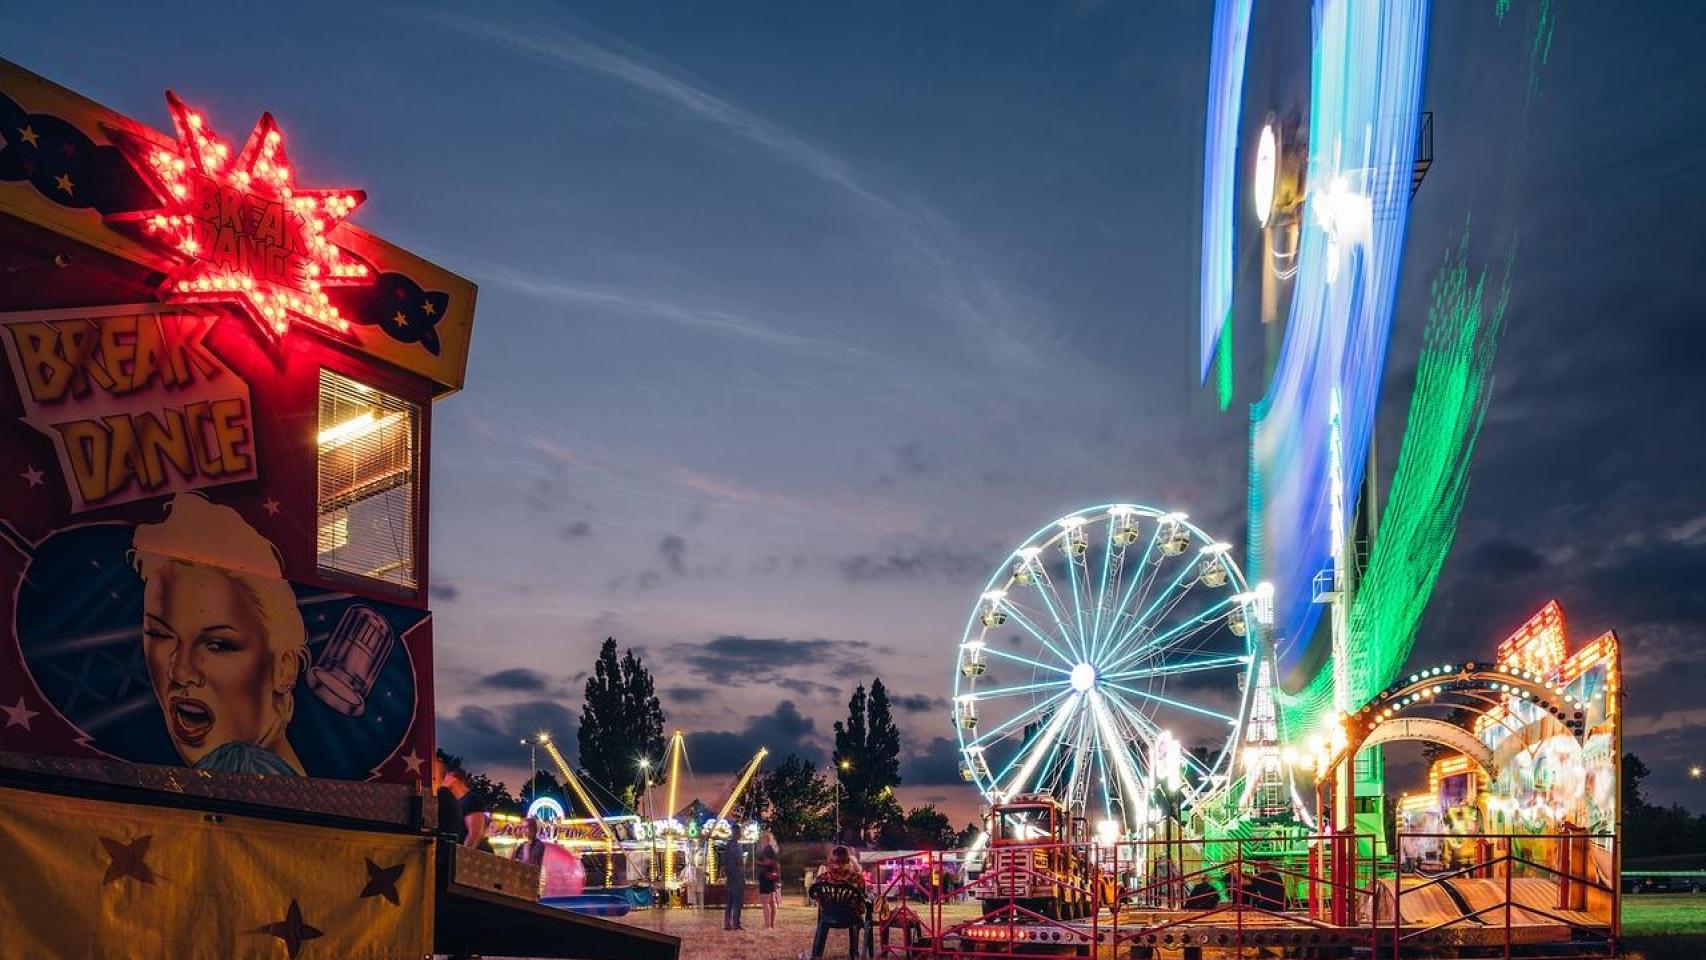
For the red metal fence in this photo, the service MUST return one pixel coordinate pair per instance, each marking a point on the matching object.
(1512, 895)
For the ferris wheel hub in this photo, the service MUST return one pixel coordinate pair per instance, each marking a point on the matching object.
(1083, 677)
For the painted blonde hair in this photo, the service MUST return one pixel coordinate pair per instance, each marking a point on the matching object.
(197, 532)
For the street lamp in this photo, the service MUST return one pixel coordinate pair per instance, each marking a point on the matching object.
(845, 765)
(532, 744)
(1694, 772)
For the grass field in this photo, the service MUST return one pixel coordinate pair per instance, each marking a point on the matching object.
(1665, 926)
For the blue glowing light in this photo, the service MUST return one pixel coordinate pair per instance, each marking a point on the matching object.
(1368, 68)
(1220, 169)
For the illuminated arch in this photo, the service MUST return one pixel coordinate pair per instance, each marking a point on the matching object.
(1478, 688)
(1429, 730)
(1490, 685)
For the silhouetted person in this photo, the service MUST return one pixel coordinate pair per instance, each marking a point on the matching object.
(734, 877)
(1203, 896)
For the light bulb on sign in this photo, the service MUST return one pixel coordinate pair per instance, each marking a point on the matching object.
(241, 233)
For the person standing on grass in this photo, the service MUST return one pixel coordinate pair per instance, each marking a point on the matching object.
(769, 869)
(734, 877)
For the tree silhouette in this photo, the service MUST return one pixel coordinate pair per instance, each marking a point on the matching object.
(541, 784)
(867, 761)
(796, 800)
(621, 724)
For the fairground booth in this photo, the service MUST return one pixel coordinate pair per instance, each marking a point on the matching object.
(216, 673)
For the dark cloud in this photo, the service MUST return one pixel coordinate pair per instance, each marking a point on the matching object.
(937, 763)
(914, 459)
(686, 694)
(444, 591)
(673, 549)
(920, 560)
(648, 580)
(1653, 583)
(1506, 558)
(805, 688)
(576, 530)
(519, 679)
(487, 736)
(918, 703)
(782, 731)
(734, 660)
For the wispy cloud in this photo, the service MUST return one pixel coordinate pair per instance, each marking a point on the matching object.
(971, 293)
(702, 318)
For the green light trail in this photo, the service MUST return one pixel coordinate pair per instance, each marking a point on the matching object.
(1447, 409)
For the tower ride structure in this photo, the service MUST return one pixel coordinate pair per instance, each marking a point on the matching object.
(1316, 145)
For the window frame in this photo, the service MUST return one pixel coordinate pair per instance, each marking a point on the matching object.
(404, 390)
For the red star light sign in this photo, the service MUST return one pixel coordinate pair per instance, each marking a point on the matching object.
(245, 235)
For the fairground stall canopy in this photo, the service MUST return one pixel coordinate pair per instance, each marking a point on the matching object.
(215, 413)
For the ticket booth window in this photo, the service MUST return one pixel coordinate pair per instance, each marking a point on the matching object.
(368, 447)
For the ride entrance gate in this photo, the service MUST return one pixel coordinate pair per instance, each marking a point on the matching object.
(1520, 895)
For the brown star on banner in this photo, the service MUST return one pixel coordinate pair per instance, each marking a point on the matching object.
(292, 930)
(381, 881)
(127, 859)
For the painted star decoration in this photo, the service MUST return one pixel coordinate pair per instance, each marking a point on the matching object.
(382, 881)
(293, 930)
(127, 859)
(243, 233)
(19, 714)
(32, 476)
(270, 505)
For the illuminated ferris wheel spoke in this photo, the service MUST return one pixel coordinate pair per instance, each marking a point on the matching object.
(1146, 618)
(1188, 666)
(1013, 610)
(1016, 719)
(983, 695)
(1131, 791)
(1141, 582)
(1101, 595)
(1047, 741)
(1077, 606)
(1149, 730)
(1057, 610)
(990, 650)
(1169, 701)
(1107, 796)
(1205, 620)
(1078, 784)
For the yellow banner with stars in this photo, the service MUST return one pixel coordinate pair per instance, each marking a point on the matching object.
(93, 879)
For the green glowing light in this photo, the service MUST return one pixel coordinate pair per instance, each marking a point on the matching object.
(1540, 48)
(1223, 365)
(1447, 409)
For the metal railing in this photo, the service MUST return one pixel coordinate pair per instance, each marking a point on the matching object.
(1515, 893)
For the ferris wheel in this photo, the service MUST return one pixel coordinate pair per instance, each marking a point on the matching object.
(1110, 654)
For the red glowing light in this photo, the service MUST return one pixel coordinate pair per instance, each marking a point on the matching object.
(244, 234)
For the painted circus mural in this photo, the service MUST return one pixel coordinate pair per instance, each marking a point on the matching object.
(214, 423)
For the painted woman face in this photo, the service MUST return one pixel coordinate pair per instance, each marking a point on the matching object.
(208, 659)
